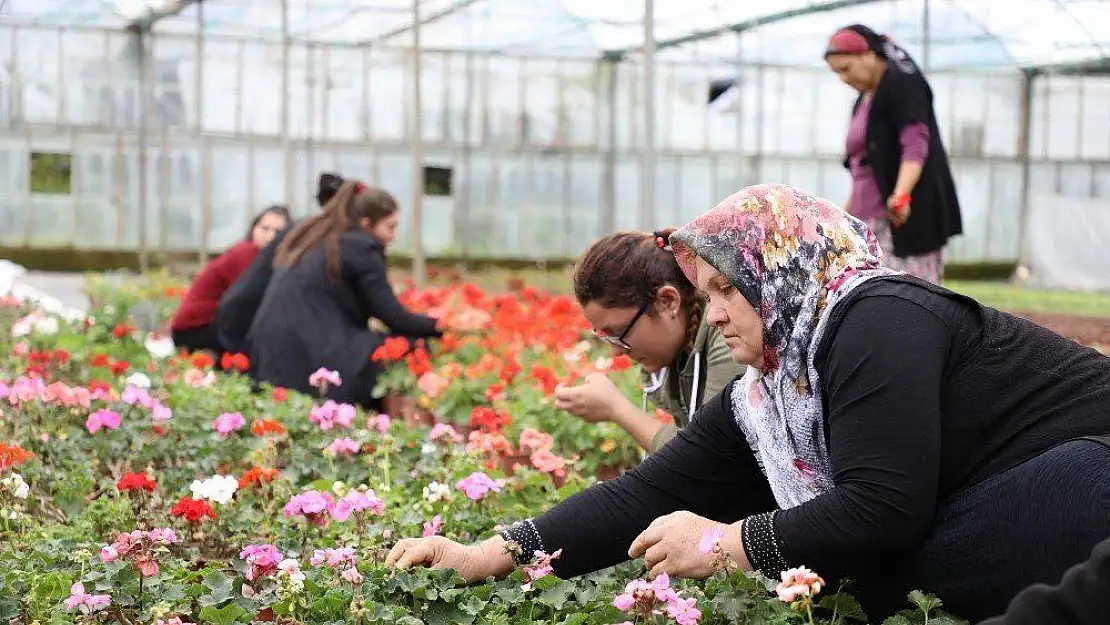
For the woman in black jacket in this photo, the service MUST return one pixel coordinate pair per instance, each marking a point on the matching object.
(887, 431)
(240, 303)
(329, 281)
(902, 186)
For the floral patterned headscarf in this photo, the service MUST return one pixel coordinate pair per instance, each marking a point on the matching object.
(793, 256)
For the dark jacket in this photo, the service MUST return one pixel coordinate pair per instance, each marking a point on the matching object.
(240, 302)
(904, 97)
(1081, 598)
(307, 321)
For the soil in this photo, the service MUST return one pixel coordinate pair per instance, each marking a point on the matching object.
(1085, 330)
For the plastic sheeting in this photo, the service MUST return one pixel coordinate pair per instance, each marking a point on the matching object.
(1067, 242)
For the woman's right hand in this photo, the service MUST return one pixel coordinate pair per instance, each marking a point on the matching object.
(474, 563)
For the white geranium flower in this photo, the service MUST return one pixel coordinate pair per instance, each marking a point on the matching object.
(218, 489)
(436, 491)
(160, 347)
(139, 379)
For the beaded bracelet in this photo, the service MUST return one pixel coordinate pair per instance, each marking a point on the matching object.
(761, 545)
(527, 537)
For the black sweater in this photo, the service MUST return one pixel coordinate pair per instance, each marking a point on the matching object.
(926, 393)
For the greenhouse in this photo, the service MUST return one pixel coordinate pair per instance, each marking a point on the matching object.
(526, 126)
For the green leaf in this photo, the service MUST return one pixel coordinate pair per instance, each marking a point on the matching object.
(473, 605)
(440, 613)
(845, 606)
(925, 603)
(230, 613)
(557, 595)
(942, 618)
(575, 619)
(219, 589)
(897, 620)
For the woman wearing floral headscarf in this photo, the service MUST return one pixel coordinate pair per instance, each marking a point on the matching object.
(918, 460)
(902, 186)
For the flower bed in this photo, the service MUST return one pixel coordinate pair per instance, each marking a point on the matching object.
(141, 486)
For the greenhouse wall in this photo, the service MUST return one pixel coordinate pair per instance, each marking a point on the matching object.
(543, 154)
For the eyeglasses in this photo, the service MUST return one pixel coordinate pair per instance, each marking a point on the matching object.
(618, 341)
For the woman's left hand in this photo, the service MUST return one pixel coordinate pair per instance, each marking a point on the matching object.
(672, 545)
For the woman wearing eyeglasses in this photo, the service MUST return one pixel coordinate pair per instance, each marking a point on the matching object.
(634, 294)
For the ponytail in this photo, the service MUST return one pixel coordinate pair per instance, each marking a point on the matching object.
(350, 205)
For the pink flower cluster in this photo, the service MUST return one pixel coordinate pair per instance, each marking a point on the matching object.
(342, 447)
(341, 560)
(441, 431)
(357, 501)
(431, 528)
(173, 621)
(138, 396)
(799, 583)
(316, 506)
(656, 597)
(103, 418)
(313, 505)
(432, 384)
(322, 378)
(228, 423)
(477, 485)
(331, 414)
(538, 446)
(540, 567)
(25, 390)
(261, 560)
(532, 440)
(138, 547)
(379, 422)
(85, 603)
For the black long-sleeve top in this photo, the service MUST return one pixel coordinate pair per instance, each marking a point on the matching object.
(241, 301)
(925, 394)
(307, 321)
(1081, 598)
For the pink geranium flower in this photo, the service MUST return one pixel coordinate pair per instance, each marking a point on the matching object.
(710, 539)
(442, 431)
(261, 560)
(799, 583)
(357, 501)
(228, 423)
(431, 528)
(477, 485)
(313, 505)
(342, 447)
(540, 568)
(323, 378)
(332, 414)
(84, 602)
(103, 418)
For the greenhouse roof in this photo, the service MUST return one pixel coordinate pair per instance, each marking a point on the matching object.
(961, 34)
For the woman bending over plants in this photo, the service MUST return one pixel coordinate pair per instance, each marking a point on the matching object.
(887, 430)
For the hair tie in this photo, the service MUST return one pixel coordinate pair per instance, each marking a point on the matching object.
(359, 187)
(662, 243)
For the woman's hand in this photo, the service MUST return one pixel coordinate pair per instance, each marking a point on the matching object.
(595, 400)
(474, 563)
(671, 545)
(898, 209)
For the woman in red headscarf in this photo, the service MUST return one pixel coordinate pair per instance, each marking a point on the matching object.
(902, 186)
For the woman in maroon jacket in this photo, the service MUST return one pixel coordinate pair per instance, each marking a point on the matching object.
(192, 327)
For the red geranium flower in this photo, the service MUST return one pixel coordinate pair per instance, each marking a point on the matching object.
(136, 481)
(235, 362)
(192, 510)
